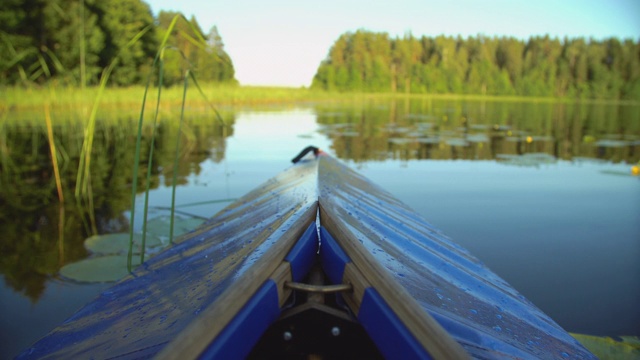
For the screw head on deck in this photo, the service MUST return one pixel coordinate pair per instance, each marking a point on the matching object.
(335, 331)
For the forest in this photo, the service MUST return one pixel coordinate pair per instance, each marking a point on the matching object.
(70, 42)
(540, 66)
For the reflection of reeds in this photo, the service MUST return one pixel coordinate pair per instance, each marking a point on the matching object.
(54, 153)
(5, 158)
(56, 172)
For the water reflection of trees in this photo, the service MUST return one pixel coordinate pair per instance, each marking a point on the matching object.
(38, 235)
(481, 130)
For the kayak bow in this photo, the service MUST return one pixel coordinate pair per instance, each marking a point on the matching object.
(317, 261)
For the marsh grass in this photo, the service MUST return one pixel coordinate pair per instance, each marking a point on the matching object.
(72, 99)
(219, 94)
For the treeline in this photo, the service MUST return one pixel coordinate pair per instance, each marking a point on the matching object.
(541, 66)
(73, 41)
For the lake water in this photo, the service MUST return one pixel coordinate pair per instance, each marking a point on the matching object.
(542, 193)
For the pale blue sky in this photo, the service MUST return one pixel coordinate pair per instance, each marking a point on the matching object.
(282, 42)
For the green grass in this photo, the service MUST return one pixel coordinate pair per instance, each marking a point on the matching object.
(128, 98)
(17, 98)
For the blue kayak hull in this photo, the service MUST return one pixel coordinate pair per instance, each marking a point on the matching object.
(217, 291)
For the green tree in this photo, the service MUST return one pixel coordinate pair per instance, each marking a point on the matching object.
(216, 64)
(40, 40)
(541, 66)
(122, 20)
(187, 51)
(17, 39)
(509, 56)
(76, 38)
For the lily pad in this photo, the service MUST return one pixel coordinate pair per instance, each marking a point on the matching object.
(118, 243)
(608, 348)
(160, 226)
(480, 126)
(612, 143)
(456, 142)
(349, 133)
(400, 141)
(429, 140)
(477, 138)
(99, 269)
(529, 159)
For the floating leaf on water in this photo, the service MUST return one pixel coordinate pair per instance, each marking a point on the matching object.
(616, 173)
(331, 129)
(419, 116)
(543, 138)
(501, 127)
(608, 348)
(118, 243)
(400, 141)
(506, 156)
(582, 159)
(160, 226)
(543, 157)
(99, 269)
(348, 133)
(480, 126)
(415, 134)
(396, 128)
(425, 125)
(530, 159)
(477, 138)
(336, 126)
(429, 140)
(457, 142)
(612, 143)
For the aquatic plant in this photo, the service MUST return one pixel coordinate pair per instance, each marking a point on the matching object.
(159, 64)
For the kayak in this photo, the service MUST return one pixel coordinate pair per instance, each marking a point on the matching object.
(317, 262)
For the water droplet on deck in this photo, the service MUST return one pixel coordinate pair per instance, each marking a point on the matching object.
(564, 354)
(473, 311)
(497, 328)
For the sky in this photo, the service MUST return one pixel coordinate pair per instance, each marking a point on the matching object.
(282, 42)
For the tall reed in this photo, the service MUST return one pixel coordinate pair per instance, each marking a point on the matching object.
(150, 162)
(174, 181)
(159, 64)
(83, 178)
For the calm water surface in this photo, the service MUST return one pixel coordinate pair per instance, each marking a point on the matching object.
(540, 192)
